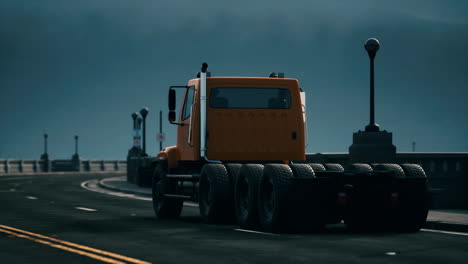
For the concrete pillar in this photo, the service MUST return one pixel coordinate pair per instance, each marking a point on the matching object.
(372, 147)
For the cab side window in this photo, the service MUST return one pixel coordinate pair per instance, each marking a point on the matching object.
(188, 102)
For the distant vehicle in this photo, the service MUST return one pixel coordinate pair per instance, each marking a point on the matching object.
(240, 154)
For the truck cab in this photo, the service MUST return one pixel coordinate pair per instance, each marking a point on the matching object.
(247, 119)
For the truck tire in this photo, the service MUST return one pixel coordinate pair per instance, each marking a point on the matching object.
(414, 215)
(317, 167)
(333, 167)
(214, 193)
(246, 195)
(233, 172)
(399, 173)
(164, 207)
(413, 170)
(359, 167)
(273, 196)
(302, 170)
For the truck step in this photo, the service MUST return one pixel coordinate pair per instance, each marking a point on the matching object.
(182, 176)
(175, 196)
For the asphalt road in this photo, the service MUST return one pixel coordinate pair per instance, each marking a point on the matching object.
(53, 219)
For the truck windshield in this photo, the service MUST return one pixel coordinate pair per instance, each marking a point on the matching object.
(256, 98)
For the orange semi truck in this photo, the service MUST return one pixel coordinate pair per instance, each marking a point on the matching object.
(240, 154)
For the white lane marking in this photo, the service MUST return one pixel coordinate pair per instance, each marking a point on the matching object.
(126, 195)
(390, 253)
(255, 232)
(85, 186)
(445, 232)
(86, 209)
(31, 197)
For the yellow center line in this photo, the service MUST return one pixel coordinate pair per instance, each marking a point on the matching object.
(98, 251)
(87, 254)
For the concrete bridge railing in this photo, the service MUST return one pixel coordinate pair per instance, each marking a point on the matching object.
(30, 166)
(447, 173)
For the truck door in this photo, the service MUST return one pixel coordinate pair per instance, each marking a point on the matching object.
(185, 137)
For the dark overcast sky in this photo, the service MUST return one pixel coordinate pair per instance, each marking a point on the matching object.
(81, 67)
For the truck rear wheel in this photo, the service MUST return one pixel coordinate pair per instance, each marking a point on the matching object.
(317, 167)
(246, 195)
(399, 173)
(214, 193)
(333, 167)
(273, 197)
(302, 170)
(415, 206)
(360, 167)
(164, 207)
(233, 172)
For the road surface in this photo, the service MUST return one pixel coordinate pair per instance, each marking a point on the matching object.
(53, 219)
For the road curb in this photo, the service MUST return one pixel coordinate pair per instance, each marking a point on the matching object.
(102, 183)
(445, 226)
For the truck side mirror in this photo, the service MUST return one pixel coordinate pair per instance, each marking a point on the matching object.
(172, 116)
(172, 102)
(172, 99)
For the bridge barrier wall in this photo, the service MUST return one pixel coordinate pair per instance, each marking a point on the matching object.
(447, 173)
(31, 166)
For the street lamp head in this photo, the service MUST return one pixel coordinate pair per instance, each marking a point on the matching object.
(372, 46)
(76, 137)
(46, 136)
(144, 111)
(134, 116)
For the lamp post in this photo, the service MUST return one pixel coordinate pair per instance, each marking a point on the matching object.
(45, 143)
(136, 130)
(76, 145)
(372, 46)
(144, 112)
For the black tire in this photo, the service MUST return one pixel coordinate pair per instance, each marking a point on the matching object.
(413, 171)
(360, 167)
(233, 172)
(274, 196)
(302, 170)
(164, 207)
(399, 173)
(214, 193)
(333, 167)
(413, 215)
(317, 167)
(246, 195)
